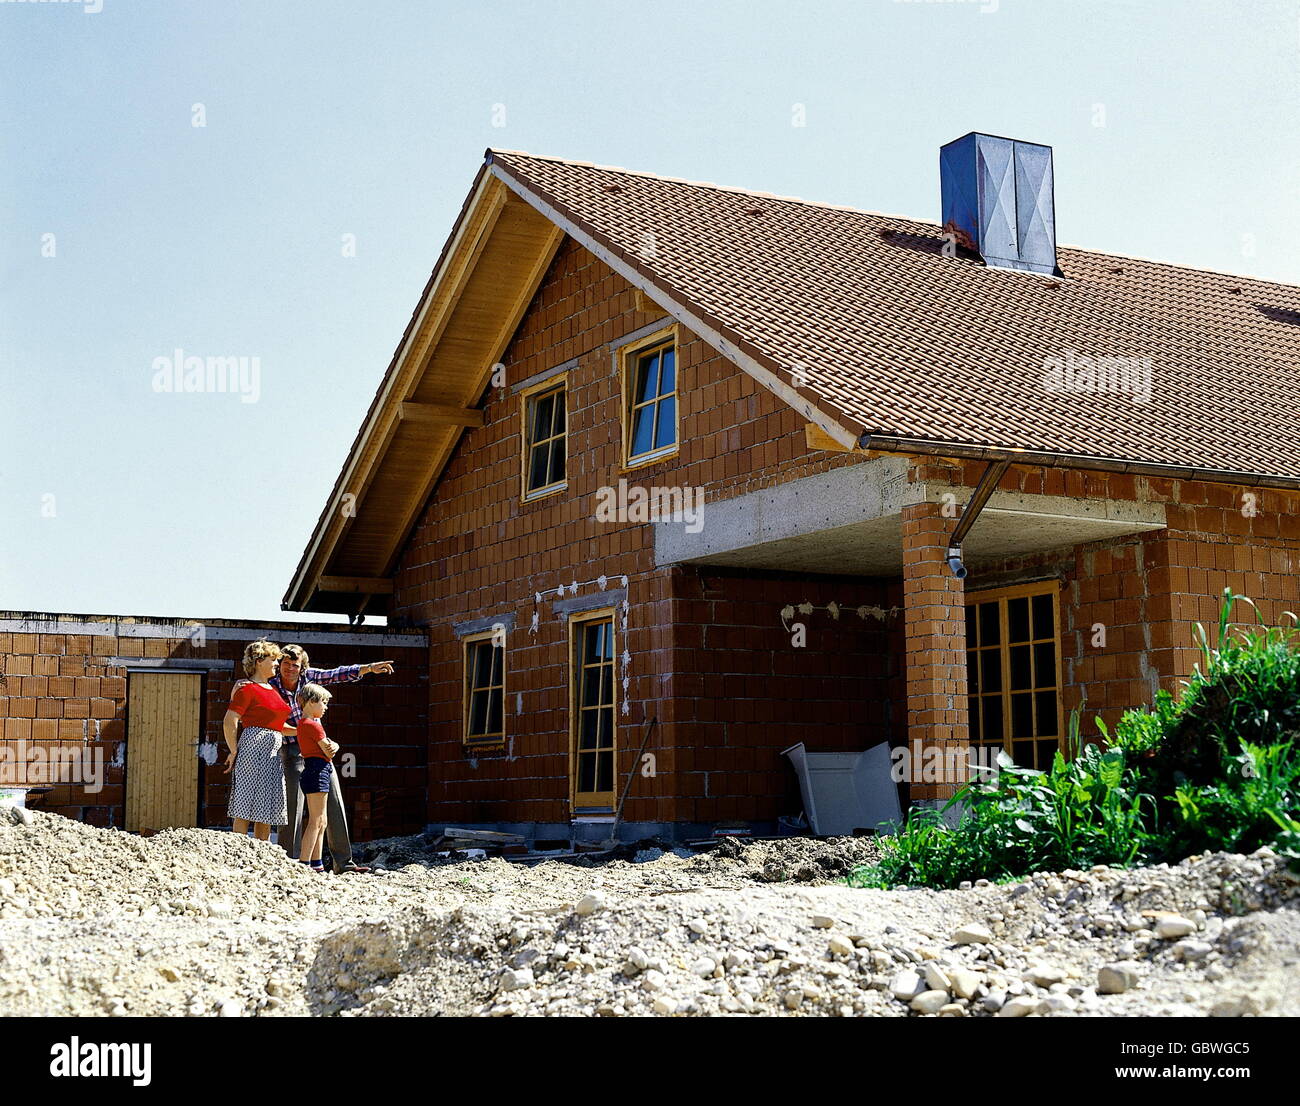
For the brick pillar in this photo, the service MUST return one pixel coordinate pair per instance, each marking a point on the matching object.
(934, 628)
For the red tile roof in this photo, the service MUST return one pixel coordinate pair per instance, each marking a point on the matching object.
(897, 339)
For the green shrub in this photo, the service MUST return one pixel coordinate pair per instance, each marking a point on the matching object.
(1248, 694)
(1217, 769)
(1236, 813)
(1288, 841)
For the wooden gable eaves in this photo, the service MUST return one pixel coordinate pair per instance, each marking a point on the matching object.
(488, 272)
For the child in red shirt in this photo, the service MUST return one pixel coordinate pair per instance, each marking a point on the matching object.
(317, 752)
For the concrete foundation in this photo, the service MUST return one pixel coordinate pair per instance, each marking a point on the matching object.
(593, 833)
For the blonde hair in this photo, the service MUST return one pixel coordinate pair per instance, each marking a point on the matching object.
(259, 650)
(297, 653)
(313, 693)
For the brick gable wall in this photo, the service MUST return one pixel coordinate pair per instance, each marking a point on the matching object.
(477, 551)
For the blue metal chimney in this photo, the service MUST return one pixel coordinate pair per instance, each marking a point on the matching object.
(998, 201)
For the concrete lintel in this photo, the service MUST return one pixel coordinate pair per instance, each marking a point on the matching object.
(544, 375)
(613, 597)
(1015, 523)
(637, 334)
(482, 625)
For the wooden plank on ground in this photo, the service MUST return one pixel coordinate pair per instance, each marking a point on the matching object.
(482, 835)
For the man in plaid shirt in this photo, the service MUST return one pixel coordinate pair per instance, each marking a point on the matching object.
(293, 674)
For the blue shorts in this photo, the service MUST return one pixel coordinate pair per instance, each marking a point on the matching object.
(316, 774)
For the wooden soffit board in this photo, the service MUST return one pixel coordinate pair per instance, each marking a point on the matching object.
(487, 276)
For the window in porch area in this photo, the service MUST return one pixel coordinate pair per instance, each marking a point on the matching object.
(1013, 657)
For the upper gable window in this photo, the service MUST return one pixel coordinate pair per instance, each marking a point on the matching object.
(650, 398)
(545, 426)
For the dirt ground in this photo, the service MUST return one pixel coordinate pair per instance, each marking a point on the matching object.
(202, 923)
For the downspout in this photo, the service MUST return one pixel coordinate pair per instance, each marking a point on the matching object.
(983, 491)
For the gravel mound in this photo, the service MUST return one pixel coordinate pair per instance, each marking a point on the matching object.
(789, 859)
(784, 860)
(203, 923)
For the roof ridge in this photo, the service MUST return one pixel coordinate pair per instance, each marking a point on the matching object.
(1177, 265)
(879, 214)
(825, 206)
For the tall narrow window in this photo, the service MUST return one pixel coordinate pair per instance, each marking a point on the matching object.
(592, 714)
(545, 439)
(484, 689)
(650, 400)
(1013, 671)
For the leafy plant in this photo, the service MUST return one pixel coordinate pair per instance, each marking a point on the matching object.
(1288, 841)
(1237, 813)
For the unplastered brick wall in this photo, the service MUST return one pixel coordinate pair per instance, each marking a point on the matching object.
(525, 779)
(713, 661)
(478, 551)
(934, 641)
(64, 688)
(749, 683)
(1212, 544)
(1105, 596)
(735, 437)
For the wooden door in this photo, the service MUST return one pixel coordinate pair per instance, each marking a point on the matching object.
(162, 740)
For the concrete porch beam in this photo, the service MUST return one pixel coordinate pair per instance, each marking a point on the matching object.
(849, 522)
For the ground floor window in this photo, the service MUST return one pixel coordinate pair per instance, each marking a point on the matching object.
(1013, 658)
(592, 713)
(485, 678)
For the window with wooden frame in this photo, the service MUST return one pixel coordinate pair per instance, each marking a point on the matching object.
(650, 427)
(593, 711)
(485, 685)
(545, 423)
(1013, 671)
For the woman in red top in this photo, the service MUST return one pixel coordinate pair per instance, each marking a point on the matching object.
(257, 797)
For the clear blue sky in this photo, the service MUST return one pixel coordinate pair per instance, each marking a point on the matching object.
(326, 119)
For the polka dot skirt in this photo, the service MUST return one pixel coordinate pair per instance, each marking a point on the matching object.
(258, 794)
